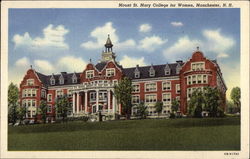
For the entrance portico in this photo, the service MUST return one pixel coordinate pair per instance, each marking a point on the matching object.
(90, 98)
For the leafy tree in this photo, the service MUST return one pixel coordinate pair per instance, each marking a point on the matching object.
(195, 104)
(123, 92)
(231, 108)
(12, 102)
(212, 100)
(21, 112)
(175, 105)
(43, 110)
(235, 96)
(158, 107)
(62, 107)
(141, 110)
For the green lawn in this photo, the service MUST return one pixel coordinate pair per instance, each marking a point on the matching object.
(149, 134)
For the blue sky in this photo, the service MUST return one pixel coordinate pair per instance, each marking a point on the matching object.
(55, 40)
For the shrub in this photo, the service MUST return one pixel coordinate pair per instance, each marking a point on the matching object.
(172, 115)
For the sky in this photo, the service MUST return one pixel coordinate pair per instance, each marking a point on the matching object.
(59, 40)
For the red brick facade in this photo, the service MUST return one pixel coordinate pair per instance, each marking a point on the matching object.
(92, 89)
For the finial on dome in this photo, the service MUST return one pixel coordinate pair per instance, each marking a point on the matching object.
(198, 48)
(30, 66)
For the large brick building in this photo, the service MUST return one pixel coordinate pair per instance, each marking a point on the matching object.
(92, 90)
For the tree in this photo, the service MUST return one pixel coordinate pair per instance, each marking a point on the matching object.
(43, 110)
(21, 111)
(195, 104)
(158, 107)
(212, 100)
(175, 105)
(235, 96)
(123, 92)
(12, 102)
(62, 107)
(141, 110)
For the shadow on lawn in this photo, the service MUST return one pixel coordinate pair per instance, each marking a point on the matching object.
(125, 124)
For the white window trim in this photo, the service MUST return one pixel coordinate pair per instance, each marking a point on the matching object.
(58, 91)
(61, 80)
(89, 72)
(52, 81)
(138, 98)
(30, 81)
(137, 74)
(111, 70)
(152, 73)
(49, 94)
(166, 103)
(195, 63)
(149, 95)
(49, 105)
(170, 85)
(176, 88)
(145, 88)
(167, 71)
(133, 87)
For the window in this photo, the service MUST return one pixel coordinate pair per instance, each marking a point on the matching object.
(103, 96)
(150, 87)
(52, 81)
(90, 74)
(150, 98)
(137, 74)
(29, 93)
(30, 82)
(204, 78)
(178, 98)
(199, 80)
(74, 78)
(49, 98)
(178, 68)
(33, 92)
(49, 110)
(167, 71)
(70, 93)
(33, 103)
(197, 66)
(151, 72)
(166, 86)
(135, 99)
(194, 79)
(92, 96)
(59, 93)
(61, 80)
(29, 103)
(110, 72)
(43, 94)
(24, 103)
(33, 114)
(166, 98)
(136, 88)
(29, 114)
(189, 80)
(178, 89)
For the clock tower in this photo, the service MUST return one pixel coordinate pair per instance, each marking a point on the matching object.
(108, 54)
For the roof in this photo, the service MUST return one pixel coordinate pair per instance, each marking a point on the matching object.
(144, 71)
(67, 78)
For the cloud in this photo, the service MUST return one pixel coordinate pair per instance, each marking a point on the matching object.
(150, 44)
(218, 43)
(22, 62)
(145, 28)
(52, 37)
(100, 34)
(177, 24)
(132, 62)
(43, 66)
(183, 47)
(71, 64)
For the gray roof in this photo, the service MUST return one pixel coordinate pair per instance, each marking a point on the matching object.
(144, 71)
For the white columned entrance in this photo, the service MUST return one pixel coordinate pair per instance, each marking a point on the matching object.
(77, 103)
(97, 100)
(109, 91)
(74, 103)
(86, 100)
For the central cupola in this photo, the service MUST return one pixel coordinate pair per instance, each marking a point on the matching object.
(108, 54)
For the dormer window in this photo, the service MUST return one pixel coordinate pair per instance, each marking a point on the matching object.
(178, 68)
(89, 74)
(137, 72)
(61, 80)
(74, 78)
(151, 71)
(167, 70)
(52, 80)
